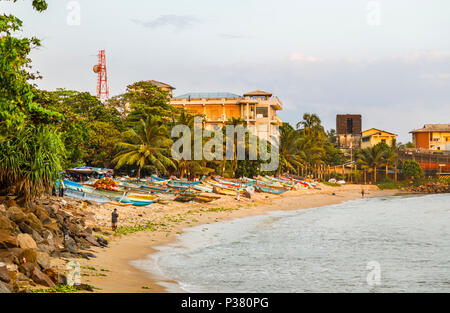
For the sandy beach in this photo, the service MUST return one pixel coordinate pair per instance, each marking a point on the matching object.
(111, 270)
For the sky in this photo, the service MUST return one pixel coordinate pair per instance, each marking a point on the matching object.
(387, 60)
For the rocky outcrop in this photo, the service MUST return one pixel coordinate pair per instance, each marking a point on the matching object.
(31, 237)
(431, 187)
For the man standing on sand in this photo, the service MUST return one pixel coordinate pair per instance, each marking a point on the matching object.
(362, 193)
(114, 219)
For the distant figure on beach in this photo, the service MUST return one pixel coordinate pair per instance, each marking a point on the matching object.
(362, 193)
(114, 219)
(61, 188)
(238, 195)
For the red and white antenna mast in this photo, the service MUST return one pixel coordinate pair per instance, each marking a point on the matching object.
(102, 81)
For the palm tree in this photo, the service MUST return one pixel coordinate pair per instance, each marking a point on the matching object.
(290, 154)
(310, 123)
(390, 157)
(371, 158)
(147, 146)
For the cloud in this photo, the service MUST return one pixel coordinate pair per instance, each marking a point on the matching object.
(232, 36)
(178, 22)
(295, 56)
(391, 93)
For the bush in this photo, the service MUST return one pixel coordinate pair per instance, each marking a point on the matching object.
(390, 184)
(413, 171)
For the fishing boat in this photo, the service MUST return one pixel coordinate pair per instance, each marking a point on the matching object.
(205, 198)
(120, 196)
(229, 184)
(203, 187)
(222, 190)
(81, 195)
(186, 196)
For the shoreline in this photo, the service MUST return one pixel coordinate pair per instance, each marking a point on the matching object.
(117, 274)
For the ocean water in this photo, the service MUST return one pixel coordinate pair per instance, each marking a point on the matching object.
(385, 244)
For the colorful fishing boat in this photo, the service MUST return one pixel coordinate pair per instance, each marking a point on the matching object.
(203, 187)
(205, 198)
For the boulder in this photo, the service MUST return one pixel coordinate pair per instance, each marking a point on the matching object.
(52, 273)
(36, 237)
(25, 228)
(6, 256)
(30, 256)
(6, 240)
(43, 259)
(4, 288)
(27, 268)
(46, 234)
(5, 223)
(34, 222)
(16, 215)
(52, 227)
(40, 278)
(26, 241)
(46, 248)
(4, 275)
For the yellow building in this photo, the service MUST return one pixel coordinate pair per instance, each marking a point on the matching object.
(258, 108)
(373, 136)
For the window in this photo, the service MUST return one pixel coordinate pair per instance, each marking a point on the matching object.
(383, 140)
(261, 112)
(350, 126)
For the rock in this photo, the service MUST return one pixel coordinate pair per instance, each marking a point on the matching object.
(26, 241)
(52, 227)
(3, 209)
(22, 277)
(6, 256)
(46, 248)
(91, 239)
(52, 274)
(27, 269)
(25, 228)
(43, 259)
(102, 241)
(4, 288)
(6, 240)
(4, 275)
(46, 234)
(40, 278)
(16, 215)
(5, 223)
(30, 256)
(36, 237)
(42, 215)
(34, 222)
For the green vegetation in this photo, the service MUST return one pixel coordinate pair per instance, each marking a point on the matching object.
(413, 171)
(391, 184)
(65, 289)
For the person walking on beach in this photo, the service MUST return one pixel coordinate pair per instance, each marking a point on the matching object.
(362, 193)
(61, 188)
(114, 219)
